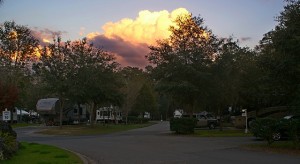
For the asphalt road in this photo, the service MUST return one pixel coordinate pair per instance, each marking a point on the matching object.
(155, 145)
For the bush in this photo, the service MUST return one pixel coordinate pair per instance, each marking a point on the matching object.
(183, 125)
(294, 132)
(8, 141)
(265, 129)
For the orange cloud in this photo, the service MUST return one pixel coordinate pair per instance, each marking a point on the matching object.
(129, 38)
(146, 28)
(46, 40)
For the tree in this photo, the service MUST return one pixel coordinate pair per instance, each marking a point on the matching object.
(280, 57)
(145, 102)
(54, 70)
(236, 79)
(134, 78)
(94, 79)
(17, 51)
(183, 61)
(80, 72)
(17, 47)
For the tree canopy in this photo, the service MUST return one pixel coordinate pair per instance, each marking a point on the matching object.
(183, 60)
(280, 57)
(17, 51)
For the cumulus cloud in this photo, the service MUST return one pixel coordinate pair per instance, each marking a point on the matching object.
(129, 38)
(146, 28)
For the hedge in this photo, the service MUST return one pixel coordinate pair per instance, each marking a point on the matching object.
(8, 141)
(183, 125)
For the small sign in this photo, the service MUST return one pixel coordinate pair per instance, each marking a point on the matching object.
(6, 115)
(244, 114)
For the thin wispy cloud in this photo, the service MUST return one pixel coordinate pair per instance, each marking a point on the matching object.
(45, 35)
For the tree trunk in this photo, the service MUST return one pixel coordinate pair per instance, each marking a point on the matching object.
(220, 121)
(61, 106)
(92, 113)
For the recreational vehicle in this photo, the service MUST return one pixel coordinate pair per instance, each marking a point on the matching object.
(108, 114)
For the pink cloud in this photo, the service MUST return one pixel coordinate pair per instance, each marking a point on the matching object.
(127, 54)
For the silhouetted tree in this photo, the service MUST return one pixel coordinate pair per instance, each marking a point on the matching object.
(94, 79)
(183, 61)
(280, 57)
(17, 51)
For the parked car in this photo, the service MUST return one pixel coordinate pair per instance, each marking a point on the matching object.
(287, 126)
(205, 119)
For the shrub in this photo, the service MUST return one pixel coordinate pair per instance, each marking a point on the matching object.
(265, 129)
(8, 141)
(9, 146)
(294, 132)
(183, 125)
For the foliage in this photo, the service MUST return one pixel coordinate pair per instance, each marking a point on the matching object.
(145, 102)
(294, 132)
(280, 59)
(183, 61)
(53, 70)
(93, 79)
(134, 78)
(183, 125)
(235, 77)
(9, 93)
(8, 141)
(265, 129)
(9, 146)
(17, 50)
(80, 72)
(17, 46)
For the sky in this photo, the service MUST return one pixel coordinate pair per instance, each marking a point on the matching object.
(127, 28)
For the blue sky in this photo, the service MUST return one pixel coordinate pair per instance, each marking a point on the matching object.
(246, 20)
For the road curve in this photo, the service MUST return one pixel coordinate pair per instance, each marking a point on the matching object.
(156, 145)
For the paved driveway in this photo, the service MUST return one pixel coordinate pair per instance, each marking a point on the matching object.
(154, 144)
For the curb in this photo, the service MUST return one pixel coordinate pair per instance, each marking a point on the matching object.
(85, 159)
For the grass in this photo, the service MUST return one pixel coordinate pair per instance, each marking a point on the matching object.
(281, 147)
(18, 125)
(76, 130)
(223, 133)
(32, 153)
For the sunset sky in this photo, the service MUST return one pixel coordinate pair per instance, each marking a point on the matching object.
(126, 28)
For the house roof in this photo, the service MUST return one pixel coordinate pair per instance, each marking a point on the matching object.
(46, 104)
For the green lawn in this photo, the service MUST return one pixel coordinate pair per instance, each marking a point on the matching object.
(282, 147)
(32, 153)
(17, 125)
(91, 130)
(223, 133)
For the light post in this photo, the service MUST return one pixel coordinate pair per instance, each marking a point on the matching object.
(245, 115)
